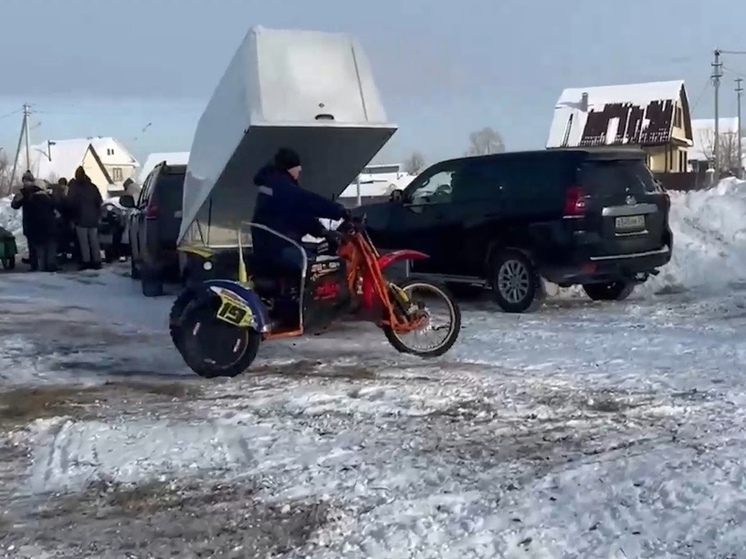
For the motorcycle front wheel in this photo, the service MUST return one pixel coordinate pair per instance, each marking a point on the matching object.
(210, 347)
(440, 314)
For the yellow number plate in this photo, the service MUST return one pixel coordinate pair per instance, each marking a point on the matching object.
(234, 312)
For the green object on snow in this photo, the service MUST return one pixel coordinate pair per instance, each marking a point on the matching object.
(8, 248)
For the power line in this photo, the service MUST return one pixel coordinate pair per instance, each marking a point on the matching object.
(700, 96)
(120, 112)
(17, 111)
(734, 72)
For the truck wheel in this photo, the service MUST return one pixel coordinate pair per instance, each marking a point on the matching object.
(609, 291)
(515, 281)
(151, 283)
(134, 270)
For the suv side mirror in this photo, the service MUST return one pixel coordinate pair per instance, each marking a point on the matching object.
(397, 196)
(127, 201)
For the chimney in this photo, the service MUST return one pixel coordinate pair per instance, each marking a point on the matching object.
(584, 102)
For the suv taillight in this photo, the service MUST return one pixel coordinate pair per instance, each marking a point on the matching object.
(151, 211)
(574, 201)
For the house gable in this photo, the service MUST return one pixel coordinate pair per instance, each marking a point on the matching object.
(97, 159)
(112, 152)
(643, 114)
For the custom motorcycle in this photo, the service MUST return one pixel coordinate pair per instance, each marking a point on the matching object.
(219, 324)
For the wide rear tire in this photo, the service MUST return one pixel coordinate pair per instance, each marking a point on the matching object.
(210, 347)
(452, 335)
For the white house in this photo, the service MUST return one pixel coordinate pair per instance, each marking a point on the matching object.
(104, 159)
(171, 157)
(377, 181)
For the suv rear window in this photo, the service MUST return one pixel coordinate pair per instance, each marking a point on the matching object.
(609, 177)
(170, 190)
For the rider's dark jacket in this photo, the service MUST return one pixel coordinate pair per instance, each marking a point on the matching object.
(289, 209)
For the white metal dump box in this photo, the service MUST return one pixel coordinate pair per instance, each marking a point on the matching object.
(310, 91)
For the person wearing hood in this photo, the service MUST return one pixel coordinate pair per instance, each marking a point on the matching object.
(84, 202)
(284, 206)
(131, 188)
(39, 223)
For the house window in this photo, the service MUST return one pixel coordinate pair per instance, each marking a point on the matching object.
(116, 174)
(678, 118)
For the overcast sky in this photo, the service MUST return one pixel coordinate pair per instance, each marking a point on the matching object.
(443, 68)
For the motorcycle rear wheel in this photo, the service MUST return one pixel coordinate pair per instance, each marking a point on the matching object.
(399, 340)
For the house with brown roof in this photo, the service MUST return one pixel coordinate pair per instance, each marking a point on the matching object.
(652, 116)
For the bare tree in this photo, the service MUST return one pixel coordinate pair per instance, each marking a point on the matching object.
(5, 170)
(485, 141)
(728, 157)
(414, 163)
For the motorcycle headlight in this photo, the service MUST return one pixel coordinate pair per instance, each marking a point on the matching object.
(207, 266)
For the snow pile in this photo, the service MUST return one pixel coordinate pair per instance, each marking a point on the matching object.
(709, 230)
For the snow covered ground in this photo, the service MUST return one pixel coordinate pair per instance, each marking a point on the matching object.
(584, 430)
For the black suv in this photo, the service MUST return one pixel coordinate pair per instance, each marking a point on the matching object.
(153, 225)
(596, 218)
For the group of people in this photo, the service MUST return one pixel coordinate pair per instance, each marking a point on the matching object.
(58, 216)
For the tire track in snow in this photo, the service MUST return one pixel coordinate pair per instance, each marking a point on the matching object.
(68, 456)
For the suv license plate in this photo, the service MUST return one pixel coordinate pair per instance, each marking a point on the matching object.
(630, 222)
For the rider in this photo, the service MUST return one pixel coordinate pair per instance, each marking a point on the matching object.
(284, 206)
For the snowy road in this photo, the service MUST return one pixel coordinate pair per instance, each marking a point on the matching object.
(585, 430)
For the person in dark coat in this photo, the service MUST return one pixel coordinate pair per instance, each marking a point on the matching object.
(284, 206)
(84, 202)
(65, 229)
(132, 188)
(39, 223)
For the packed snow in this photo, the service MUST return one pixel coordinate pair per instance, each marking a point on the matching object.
(709, 238)
(584, 430)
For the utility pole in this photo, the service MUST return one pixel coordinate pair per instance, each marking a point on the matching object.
(24, 133)
(739, 91)
(26, 115)
(717, 73)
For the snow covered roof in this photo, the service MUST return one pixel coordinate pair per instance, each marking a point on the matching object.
(703, 135)
(630, 114)
(60, 158)
(171, 157)
(377, 168)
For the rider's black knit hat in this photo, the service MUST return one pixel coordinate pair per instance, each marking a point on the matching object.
(286, 159)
